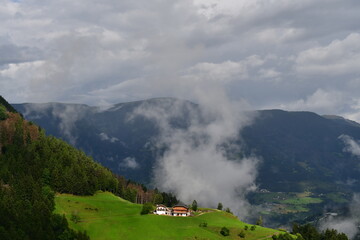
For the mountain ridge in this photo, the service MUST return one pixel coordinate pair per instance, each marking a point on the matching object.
(306, 141)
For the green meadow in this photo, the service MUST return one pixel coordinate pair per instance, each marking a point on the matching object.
(106, 216)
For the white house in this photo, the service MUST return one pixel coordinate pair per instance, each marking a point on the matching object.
(162, 210)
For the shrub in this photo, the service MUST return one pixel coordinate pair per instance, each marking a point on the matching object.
(252, 228)
(147, 208)
(242, 234)
(259, 222)
(225, 231)
(246, 227)
(75, 217)
(228, 210)
(204, 224)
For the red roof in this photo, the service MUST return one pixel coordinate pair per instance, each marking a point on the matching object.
(180, 207)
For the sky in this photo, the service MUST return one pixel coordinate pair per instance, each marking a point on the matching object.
(294, 55)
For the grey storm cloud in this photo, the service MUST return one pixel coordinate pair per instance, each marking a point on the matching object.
(274, 54)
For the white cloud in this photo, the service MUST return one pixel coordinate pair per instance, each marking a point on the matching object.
(105, 137)
(352, 146)
(225, 71)
(339, 57)
(20, 70)
(279, 35)
(269, 73)
(195, 156)
(321, 101)
(247, 9)
(353, 116)
(326, 102)
(129, 162)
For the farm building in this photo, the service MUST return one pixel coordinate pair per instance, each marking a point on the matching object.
(162, 210)
(180, 211)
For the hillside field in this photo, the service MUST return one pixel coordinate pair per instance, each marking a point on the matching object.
(105, 216)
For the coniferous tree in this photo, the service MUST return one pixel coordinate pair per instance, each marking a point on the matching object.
(194, 206)
(259, 222)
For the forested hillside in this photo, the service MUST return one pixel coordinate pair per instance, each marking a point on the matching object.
(26, 187)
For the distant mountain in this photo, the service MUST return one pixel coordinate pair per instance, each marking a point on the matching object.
(302, 151)
(299, 150)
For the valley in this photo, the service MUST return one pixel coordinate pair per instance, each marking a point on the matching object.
(280, 208)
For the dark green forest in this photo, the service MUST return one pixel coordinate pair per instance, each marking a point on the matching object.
(32, 168)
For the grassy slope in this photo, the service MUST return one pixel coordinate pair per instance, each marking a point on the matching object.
(105, 216)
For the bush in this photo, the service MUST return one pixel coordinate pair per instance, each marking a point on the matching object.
(225, 231)
(228, 210)
(246, 227)
(75, 217)
(147, 208)
(252, 228)
(204, 224)
(242, 234)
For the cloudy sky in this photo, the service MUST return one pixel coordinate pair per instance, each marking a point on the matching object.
(294, 55)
